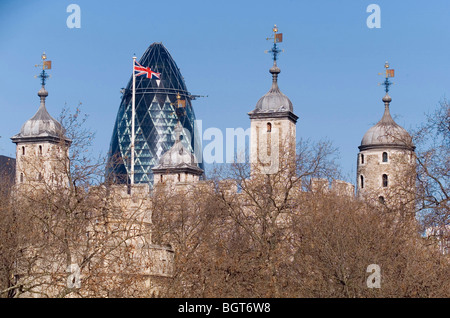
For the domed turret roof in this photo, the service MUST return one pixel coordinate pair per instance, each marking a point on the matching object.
(386, 133)
(274, 103)
(41, 126)
(274, 100)
(178, 157)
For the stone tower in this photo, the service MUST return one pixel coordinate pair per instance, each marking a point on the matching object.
(272, 124)
(178, 165)
(386, 161)
(41, 146)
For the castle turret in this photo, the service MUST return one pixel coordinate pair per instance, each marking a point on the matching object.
(178, 165)
(41, 146)
(386, 161)
(272, 141)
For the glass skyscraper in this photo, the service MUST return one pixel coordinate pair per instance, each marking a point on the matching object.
(158, 108)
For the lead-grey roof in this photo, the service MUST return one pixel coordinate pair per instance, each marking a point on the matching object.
(386, 133)
(41, 125)
(178, 156)
(274, 100)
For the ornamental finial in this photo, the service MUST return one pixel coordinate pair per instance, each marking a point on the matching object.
(388, 73)
(277, 38)
(46, 65)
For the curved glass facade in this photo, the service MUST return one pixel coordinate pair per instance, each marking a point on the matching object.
(157, 113)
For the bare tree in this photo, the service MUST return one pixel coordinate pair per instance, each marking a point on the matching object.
(74, 236)
(433, 176)
(259, 235)
(240, 234)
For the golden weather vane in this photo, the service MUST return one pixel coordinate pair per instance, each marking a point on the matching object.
(46, 65)
(388, 73)
(277, 38)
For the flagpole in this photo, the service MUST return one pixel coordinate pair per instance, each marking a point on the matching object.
(133, 115)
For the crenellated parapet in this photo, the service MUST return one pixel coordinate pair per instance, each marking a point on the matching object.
(338, 187)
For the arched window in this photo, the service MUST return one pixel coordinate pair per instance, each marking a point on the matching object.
(23, 150)
(362, 158)
(385, 180)
(362, 182)
(269, 127)
(385, 157)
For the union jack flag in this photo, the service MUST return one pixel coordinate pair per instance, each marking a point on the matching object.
(145, 71)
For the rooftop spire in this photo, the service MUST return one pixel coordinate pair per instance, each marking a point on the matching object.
(386, 133)
(274, 103)
(46, 65)
(275, 70)
(387, 99)
(42, 126)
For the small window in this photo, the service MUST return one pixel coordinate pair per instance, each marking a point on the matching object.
(40, 150)
(23, 150)
(269, 127)
(385, 157)
(21, 178)
(381, 199)
(385, 180)
(362, 182)
(161, 178)
(179, 177)
(362, 159)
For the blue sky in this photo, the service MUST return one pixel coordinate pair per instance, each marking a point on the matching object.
(329, 68)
